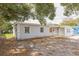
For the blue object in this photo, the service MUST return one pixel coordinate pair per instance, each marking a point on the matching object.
(76, 30)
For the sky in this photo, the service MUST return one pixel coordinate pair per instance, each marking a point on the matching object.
(59, 13)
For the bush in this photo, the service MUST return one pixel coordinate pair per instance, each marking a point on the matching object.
(7, 36)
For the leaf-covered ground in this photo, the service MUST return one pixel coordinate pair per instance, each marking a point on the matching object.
(48, 46)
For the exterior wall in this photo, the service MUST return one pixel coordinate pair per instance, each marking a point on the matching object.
(55, 30)
(34, 31)
(68, 31)
(62, 31)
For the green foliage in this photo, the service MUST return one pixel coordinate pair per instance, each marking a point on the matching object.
(69, 22)
(7, 36)
(14, 11)
(10, 12)
(6, 27)
(20, 11)
(44, 10)
(70, 8)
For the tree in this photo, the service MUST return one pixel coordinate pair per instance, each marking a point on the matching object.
(44, 10)
(70, 22)
(77, 20)
(1, 24)
(23, 11)
(71, 8)
(6, 27)
(10, 12)
(14, 11)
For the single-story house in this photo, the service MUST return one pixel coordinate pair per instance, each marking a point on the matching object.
(25, 30)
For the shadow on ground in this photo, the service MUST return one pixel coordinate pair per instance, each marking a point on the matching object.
(47, 46)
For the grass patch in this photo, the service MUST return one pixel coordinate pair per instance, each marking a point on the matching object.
(7, 36)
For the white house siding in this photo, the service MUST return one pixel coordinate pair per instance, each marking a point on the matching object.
(62, 31)
(68, 31)
(34, 31)
(18, 31)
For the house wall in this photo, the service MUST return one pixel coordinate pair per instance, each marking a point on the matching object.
(34, 31)
(55, 31)
(68, 31)
(62, 31)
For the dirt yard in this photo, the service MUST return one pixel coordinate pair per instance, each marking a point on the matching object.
(48, 46)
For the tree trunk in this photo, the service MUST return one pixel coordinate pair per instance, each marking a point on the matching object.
(0, 31)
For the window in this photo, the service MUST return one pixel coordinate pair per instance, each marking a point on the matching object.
(26, 29)
(41, 29)
(50, 29)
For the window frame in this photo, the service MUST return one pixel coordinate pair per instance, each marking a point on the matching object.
(27, 30)
(41, 29)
